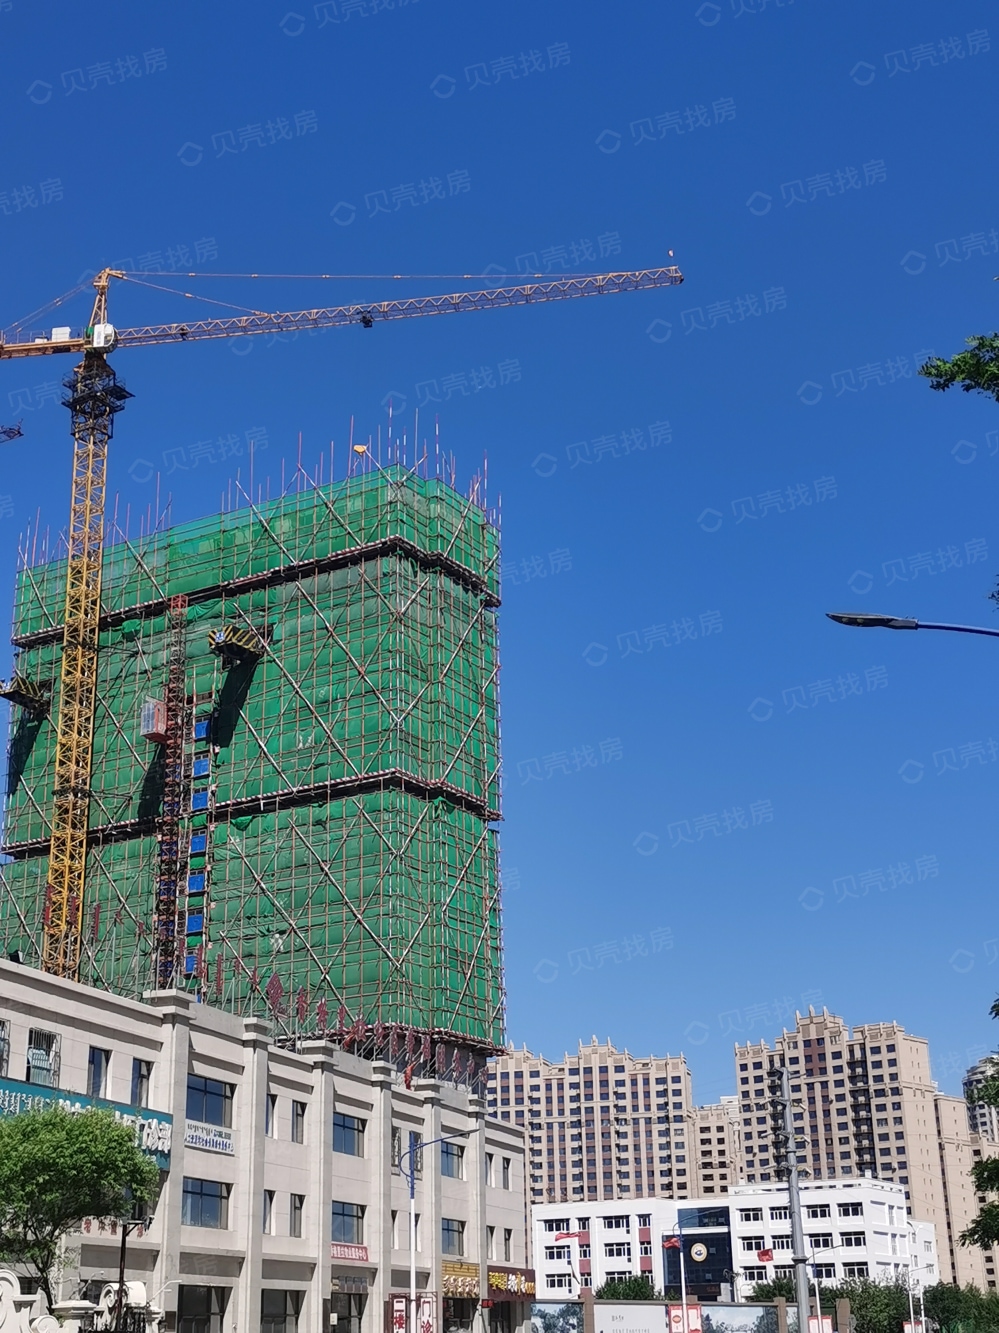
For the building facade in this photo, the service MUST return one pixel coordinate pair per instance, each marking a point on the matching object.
(605, 1124)
(868, 1108)
(856, 1228)
(283, 1198)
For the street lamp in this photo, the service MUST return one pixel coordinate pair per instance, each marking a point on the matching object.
(126, 1227)
(411, 1181)
(861, 620)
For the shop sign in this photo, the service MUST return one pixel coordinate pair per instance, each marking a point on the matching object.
(511, 1284)
(358, 1253)
(426, 1314)
(153, 1129)
(212, 1138)
(459, 1280)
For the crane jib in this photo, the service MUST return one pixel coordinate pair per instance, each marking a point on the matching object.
(242, 326)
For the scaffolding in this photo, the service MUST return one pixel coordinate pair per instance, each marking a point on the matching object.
(336, 862)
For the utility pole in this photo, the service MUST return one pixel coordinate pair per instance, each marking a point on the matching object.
(786, 1152)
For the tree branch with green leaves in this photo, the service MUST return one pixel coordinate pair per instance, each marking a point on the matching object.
(57, 1168)
(976, 370)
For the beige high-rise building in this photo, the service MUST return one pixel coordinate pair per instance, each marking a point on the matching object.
(869, 1107)
(605, 1124)
(984, 1120)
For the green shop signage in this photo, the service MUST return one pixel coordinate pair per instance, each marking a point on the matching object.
(153, 1129)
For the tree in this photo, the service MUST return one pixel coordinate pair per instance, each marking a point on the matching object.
(975, 370)
(984, 1230)
(628, 1289)
(57, 1168)
(771, 1291)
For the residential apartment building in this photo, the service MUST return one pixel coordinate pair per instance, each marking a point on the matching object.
(605, 1124)
(716, 1137)
(984, 1120)
(283, 1201)
(856, 1228)
(868, 1108)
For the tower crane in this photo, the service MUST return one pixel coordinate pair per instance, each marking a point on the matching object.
(95, 397)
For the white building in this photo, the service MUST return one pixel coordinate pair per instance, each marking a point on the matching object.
(282, 1200)
(855, 1228)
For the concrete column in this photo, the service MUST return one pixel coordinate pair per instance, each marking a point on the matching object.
(246, 1219)
(168, 1092)
(379, 1151)
(428, 1190)
(316, 1222)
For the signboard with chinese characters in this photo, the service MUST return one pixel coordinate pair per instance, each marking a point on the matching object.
(397, 1314)
(629, 1317)
(677, 1324)
(511, 1284)
(213, 1138)
(459, 1280)
(340, 1250)
(153, 1129)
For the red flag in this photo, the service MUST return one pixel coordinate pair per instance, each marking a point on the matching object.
(765, 1256)
(408, 1075)
(569, 1235)
(671, 1242)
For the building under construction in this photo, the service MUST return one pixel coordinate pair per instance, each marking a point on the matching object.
(295, 767)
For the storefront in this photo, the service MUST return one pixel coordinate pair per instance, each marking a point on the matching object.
(511, 1291)
(349, 1286)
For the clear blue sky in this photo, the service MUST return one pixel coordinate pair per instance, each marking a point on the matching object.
(707, 821)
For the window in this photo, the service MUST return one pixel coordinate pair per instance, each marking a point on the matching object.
(751, 1214)
(209, 1101)
(823, 1242)
(824, 1270)
(279, 1311)
(268, 1214)
(4, 1046)
(818, 1210)
(559, 1282)
(507, 1244)
(778, 1214)
(505, 1173)
(753, 1243)
(201, 1309)
(298, 1122)
(616, 1223)
(142, 1072)
(754, 1274)
(854, 1270)
(491, 1245)
(348, 1223)
(619, 1250)
(557, 1224)
(489, 1168)
(851, 1210)
(348, 1135)
(452, 1236)
(270, 1117)
(781, 1243)
(855, 1238)
(97, 1071)
(43, 1059)
(205, 1203)
(296, 1212)
(453, 1160)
